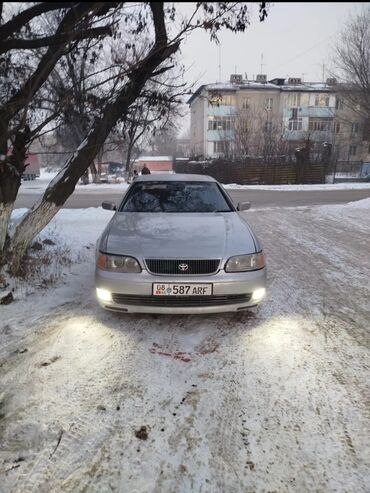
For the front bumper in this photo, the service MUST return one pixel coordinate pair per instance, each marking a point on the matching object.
(224, 284)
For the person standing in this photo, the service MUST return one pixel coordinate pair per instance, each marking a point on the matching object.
(145, 170)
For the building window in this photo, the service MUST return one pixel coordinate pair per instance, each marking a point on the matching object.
(294, 113)
(338, 104)
(352, 150)
(295, 99)
(319, 125)
(246, 103)
(355, 127)
(268, 103)
(337, 127)
(227, 100)
(221, 147)
(322, 100)
(220, 123)
(218, 99)
(295, 124)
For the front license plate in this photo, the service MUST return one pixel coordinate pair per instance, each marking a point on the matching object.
(182, 289)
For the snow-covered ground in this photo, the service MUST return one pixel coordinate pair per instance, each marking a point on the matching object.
(40, 184)
(273, 401)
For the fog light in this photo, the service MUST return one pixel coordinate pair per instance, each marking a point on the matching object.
(103, 294)
(258, 294)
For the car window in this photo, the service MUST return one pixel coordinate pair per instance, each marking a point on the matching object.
(175, 197)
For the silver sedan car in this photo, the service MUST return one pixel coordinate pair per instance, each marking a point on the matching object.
(176, 244)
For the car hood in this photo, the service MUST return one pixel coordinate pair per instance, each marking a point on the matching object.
(185, 235)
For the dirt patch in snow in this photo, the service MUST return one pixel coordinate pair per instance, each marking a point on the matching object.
(142, 433)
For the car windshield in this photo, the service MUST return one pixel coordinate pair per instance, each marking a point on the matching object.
(175, 196)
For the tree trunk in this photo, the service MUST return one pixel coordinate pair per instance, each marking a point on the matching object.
(5, 213)
(11, 170)
(99, 171)
(63, 185)
(34, 224)
(93, 172)
(128, 160)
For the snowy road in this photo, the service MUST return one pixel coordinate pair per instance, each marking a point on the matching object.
(261, 196)
(273, 402)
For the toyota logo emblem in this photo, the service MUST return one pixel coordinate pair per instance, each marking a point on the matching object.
(183, 267)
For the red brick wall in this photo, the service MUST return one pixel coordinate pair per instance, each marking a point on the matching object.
(154, 165)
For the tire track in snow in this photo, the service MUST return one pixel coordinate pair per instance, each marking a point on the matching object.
(83, 435)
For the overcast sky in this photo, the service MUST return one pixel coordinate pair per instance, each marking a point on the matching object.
(295, 41)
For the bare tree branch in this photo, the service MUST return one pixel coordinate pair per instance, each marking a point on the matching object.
(9, 28)
(159, 23)
(27, 44)
(45, 122)
(47, 63)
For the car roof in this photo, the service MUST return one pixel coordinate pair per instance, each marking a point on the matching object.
(174, 177)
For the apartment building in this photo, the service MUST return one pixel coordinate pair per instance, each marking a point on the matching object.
(224, 115)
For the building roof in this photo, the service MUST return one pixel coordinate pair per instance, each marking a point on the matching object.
(307, 87)
(251, 84)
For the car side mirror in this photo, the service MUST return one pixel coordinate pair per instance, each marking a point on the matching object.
(109, 206)
(244, 206)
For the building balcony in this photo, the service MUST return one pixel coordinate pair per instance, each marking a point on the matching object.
(215, 135)
(305, 134)
(310, 112)
(222, 110)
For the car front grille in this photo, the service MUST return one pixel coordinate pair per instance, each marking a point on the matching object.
(181, 301)
(182, 267)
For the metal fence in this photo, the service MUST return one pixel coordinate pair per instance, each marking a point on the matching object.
(344, 171)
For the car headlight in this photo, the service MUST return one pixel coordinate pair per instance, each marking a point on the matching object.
(104, 295)
(117, 263)
(243, 263)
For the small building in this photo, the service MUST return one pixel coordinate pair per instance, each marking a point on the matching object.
(156, 164)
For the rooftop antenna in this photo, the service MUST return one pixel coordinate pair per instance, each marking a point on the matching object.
(219, 63)
(323, 72)
(262, 64)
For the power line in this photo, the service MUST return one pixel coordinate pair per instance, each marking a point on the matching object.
(303, 52)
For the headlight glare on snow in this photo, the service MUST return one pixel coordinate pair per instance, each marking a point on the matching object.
(244, 263)
(118, 263)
